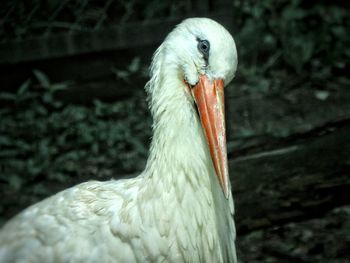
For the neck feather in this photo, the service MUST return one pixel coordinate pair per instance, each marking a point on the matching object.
(178, 146)
(179, 174)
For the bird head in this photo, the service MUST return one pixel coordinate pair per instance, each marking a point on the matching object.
(201, 46)
(203, 55)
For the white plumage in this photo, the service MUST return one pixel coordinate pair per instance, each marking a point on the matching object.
(180, 209)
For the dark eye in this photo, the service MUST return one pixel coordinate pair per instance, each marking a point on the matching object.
(203, 47)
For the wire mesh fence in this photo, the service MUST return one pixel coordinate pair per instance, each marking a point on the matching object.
(22, 19)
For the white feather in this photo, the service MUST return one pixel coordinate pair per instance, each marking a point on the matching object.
(175, 210)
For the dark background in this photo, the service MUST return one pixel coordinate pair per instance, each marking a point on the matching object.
(72, 108)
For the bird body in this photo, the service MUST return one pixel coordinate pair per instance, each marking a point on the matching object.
(180, 208)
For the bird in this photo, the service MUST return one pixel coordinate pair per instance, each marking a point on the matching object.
(180, 208)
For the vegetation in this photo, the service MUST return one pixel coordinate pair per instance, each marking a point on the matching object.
(286, 42)
(43, 139)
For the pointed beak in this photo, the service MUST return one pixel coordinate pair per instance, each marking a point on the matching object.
(209, 97)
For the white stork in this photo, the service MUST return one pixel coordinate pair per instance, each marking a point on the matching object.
(180, 208)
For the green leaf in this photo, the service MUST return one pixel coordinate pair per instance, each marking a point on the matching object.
(42, 78)
(322, 94)
(47, 97)
(8, 96)
(24, 87)
(135, 65)
(9, 153)
(41, 110)
(5, 140)
(15, 181)
(58, 87)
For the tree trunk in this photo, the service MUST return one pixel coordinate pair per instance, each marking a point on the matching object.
(305, 177)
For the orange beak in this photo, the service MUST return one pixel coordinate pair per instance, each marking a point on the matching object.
(209, 97)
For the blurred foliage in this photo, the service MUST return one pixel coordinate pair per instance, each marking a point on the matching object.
(43, 138)
(284, 42)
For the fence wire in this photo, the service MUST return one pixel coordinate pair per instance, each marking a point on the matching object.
(22, 19)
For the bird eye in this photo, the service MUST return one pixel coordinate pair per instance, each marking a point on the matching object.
(203, 47)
